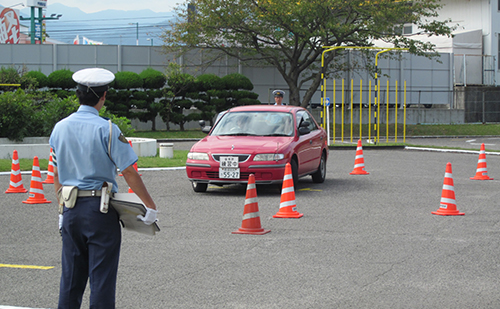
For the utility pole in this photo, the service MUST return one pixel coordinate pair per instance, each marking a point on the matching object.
(137, 32)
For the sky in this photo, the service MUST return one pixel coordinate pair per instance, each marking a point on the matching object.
(92, 6)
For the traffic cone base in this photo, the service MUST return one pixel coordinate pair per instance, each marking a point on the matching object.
(36, 195)
(448, 205)
(481, 177)
(288, 207)
(445, 212)
(295, 214)
(251, 231)
(359, 161)
(16, 180)
(481, 171)
(251, 218)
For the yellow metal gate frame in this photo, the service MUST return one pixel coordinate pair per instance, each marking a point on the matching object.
(325, 120)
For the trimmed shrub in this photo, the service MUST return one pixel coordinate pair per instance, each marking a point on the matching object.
(41, 80)
(210, 82)
(236, 81)
(153, 79)
(127, 80)
(61, 79)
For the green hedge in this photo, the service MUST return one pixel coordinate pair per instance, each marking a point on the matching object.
(131, 96)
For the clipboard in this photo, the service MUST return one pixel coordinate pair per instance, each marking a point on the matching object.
(129, 206)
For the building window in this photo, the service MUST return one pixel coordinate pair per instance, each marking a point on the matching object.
(408, 29)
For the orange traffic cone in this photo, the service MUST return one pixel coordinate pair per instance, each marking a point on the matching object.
(359, 162)
(251, 218)
(448, 205)
(50, 172)
(16, 180)
(481, 171)
(36, 195)
(288, 208)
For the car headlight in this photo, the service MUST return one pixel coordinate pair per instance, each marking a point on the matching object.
(198, 156)
(269, 157)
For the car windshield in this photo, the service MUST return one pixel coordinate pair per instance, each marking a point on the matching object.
(255, 123)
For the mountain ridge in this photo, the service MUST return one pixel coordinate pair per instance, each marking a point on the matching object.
(111, 27)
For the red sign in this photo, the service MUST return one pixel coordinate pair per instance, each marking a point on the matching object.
(9, 27)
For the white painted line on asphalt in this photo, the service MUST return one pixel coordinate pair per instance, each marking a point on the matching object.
(450, 150)
(10, 307)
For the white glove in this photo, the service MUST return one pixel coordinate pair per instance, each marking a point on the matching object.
(150, 216)
(60, 223)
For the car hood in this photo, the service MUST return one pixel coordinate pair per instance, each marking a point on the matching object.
(242, 144)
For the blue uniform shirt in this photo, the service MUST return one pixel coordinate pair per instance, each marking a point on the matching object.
(80, 150)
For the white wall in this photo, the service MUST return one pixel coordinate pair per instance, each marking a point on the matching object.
(476, 14)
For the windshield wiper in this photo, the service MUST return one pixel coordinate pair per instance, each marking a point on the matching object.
(238, 134)
(277, 134)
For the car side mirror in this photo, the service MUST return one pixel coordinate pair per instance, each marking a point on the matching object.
(205, 129)
(304, 128)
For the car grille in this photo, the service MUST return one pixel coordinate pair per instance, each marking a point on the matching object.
(241, 157)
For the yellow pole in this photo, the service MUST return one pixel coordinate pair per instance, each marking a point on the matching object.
(360, 107)
(404, 117)
(396, 114)
(387, 115)
(377, 90)
(322, 113)
(352, 105)
(369, 110)
(13, 85)
(334, 111)
(342, 128)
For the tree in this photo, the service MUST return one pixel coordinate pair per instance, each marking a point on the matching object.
(146, 103)
(290, 34)
(176, 100)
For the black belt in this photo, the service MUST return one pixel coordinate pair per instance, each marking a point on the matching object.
(87, 193)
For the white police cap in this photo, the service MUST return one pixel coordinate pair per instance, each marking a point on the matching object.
(95, 78)
(278, 93)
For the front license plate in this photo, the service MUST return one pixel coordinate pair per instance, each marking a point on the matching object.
(229, 173)
(229, 168)
(231, 162)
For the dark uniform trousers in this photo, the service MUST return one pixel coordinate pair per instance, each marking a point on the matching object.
(91, 250)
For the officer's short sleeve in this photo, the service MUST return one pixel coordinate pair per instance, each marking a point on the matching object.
(122, 153)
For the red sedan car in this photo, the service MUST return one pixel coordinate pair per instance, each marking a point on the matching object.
(259, 140)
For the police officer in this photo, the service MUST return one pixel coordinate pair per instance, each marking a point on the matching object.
(278, 97)
(86, 151)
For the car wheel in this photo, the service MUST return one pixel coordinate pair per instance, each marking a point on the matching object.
(199, 186)
(295, 172)
(320, 175)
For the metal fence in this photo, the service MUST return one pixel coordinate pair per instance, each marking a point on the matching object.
(481, 104)
(474, 70)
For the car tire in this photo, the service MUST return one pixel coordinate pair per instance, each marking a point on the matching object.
(199, 186)
(295, 172)
(320, 175)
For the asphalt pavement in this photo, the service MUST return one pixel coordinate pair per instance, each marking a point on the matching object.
(363, 242)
